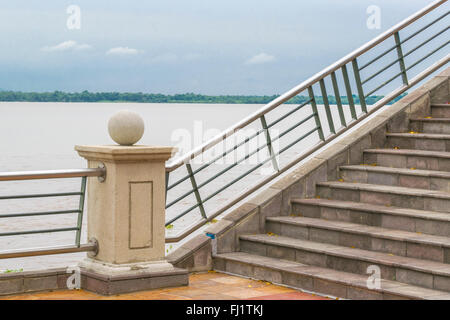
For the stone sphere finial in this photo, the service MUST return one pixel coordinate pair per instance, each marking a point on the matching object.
(126, 127)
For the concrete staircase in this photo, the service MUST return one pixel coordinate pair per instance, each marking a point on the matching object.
(392, 212)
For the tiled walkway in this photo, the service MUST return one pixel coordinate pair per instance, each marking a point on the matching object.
(202, 286)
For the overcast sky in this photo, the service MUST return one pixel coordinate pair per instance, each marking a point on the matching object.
(177, 46)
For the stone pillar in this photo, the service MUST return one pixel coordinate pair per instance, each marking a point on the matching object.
(126, 215)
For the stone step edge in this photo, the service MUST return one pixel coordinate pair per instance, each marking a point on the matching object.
(353, 228)
(386, 189)
(411, 152)
(419, 135)
(340, 251)
(430, 119)
(360, 281)
(440, 105)
(404, 171)
(357, 206)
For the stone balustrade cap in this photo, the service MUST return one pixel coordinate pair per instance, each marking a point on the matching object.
(125, 153)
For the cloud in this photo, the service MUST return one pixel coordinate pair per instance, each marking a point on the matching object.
(66, 45)
(260, 59)
(122, 51)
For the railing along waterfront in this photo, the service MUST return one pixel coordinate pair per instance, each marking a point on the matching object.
(323, 126)
(50, 174)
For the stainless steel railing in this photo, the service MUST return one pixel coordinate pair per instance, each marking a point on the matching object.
(329, 74)
(50, 174)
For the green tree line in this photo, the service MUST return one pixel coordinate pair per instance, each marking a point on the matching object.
(139, 97)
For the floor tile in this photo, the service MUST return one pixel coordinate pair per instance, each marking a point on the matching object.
(202, 286)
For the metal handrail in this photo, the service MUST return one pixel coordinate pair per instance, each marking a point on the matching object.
(318, 79)
(301, 87)
(91, 246)
(51, 174)
(262, 183)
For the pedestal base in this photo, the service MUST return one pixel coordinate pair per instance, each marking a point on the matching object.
(110, 279)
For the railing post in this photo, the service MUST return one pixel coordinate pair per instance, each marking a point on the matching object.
(338, 99)
(167, 186)
(362, 99)
(327, 106)
(348, 89)
(401, 59)
(196, 193)
(269, 143)
(127, 215)
(316, 113)
(81, 210)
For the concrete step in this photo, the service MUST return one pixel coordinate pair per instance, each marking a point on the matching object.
(317, 279)
(408, 158)
(397, 242)
(427, 274)
(440, 110)
(385, 195)
(419, 141)
(403, 177)
(427, 222)
(430, 125)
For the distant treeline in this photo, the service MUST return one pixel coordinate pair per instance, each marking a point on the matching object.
(86, 96)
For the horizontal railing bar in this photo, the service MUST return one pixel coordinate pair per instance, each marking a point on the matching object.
(289, 113)
(408, 53)
(256, 150)
(20, 233)
(303, 86)
(239, 144)
(377, 58)
(180, 198)
(404, 56)
(297, 141)
(381, 71)
(379, 104)
(232, 203)
(294, 126)
(185, 212)
(242, 175)
(43, 195)
(18, 215)
(51, 174)
(237, 162)
(427, 56)
(424, 28)
(251, 137)
(215, 176)
(239, 178)
(255, 134)
(403, 41)
(384, 84)
(425, 42)
(89, 247)
(217, 158)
